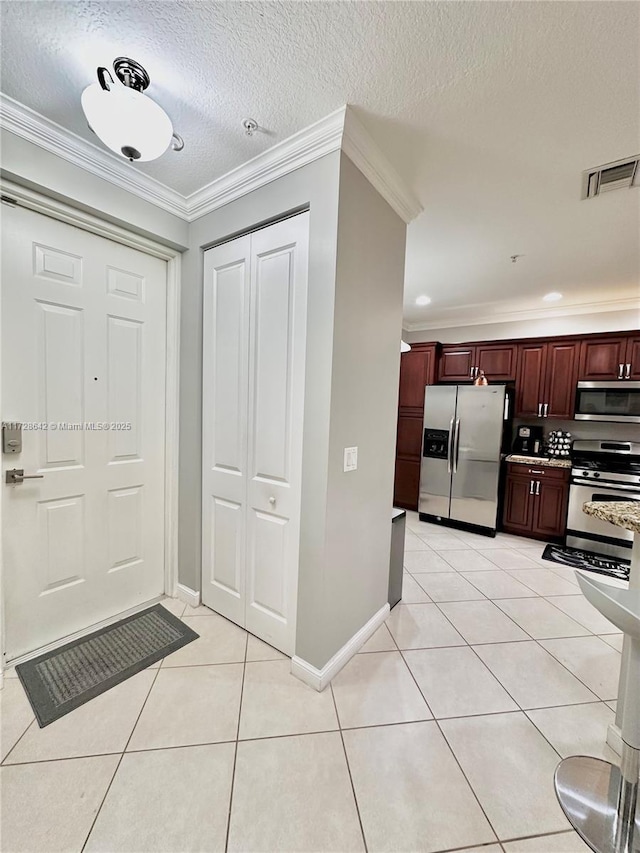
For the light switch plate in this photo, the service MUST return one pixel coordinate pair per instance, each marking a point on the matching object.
(350, 458)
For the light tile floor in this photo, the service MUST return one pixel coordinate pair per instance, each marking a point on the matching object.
(442, 734)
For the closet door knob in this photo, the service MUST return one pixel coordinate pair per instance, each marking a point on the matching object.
(272, 500)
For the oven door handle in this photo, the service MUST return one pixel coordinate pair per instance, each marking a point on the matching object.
(606, 487)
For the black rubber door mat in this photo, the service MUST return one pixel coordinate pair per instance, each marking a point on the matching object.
(576, 559)
(60, 681)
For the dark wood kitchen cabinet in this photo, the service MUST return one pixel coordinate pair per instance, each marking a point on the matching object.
(633, 357)
(535, 501)
(546, 379)
(498, 361)
(610, 357)
(463, 362)
(417, 369)
(456, 363)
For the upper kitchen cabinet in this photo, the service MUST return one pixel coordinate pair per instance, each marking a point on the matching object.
(602, 359)
(417, 369)
(497, 361)
(462, 362)
(633, 357)
(530, 380)
(457, 363)
(546, 379)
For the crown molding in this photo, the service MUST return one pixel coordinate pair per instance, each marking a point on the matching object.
(461, 320)
(340, 130)
(304, 147)
(35, 128)
(360, 148)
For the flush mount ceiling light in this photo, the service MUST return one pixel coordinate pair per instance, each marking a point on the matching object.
(554, 296)
(125, 119)
(423, 300)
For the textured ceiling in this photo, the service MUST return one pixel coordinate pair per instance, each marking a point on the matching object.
(489, 110)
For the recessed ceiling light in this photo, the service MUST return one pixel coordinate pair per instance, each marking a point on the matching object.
(554, 296)
(423, 300)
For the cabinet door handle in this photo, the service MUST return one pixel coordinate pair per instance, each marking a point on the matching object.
(531, 486)
(546, 410)
(620, 369)
(628, 373)
(537, 487)
(539, 410)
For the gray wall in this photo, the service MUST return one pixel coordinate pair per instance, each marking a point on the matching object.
(340, 593)
(314, 186)
(33, 167)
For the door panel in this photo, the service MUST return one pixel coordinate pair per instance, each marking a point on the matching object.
(253, 398)
(550, 509)
(407, 484)
(633, 358)
(435, 478)
(456, 363)
(474, 487)
(532, 361)
(83, 340)
(497, 362)
(279, 269)
(224, 403)
(562, 376)
(60, 383)
(601, 359)
(518, 506)
(414, 371)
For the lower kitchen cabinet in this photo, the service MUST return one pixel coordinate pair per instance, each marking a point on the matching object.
(407, 484)
(408, 456)
(535, 501)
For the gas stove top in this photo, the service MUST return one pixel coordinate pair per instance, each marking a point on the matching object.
(609, 461)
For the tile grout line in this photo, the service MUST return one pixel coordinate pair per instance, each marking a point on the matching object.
(346, 758)
(449, 747)
(4, 760)
(122, 754)
(235, 752)
(442, 734)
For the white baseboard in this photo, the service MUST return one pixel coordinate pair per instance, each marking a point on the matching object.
(319, 678)
(614, 738)
(188, 595)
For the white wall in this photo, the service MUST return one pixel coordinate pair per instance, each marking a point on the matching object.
(609, 321)
(351, 583)
(33, 167)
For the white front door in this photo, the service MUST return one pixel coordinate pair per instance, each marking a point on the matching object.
(83, 369)
(255, 315)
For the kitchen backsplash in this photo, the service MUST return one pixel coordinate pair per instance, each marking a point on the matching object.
(585, 429)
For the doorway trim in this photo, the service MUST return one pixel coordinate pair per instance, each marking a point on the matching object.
(16, 195)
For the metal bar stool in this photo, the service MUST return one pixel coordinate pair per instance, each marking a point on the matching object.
(600, 800)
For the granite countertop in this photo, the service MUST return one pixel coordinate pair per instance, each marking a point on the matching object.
(543, 461)
(621, 513)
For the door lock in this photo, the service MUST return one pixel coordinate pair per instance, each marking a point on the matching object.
(15, 476)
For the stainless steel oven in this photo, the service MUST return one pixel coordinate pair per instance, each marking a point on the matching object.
(602, 471)
(615, 401)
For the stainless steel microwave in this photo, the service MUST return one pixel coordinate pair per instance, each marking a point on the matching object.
(616, 401)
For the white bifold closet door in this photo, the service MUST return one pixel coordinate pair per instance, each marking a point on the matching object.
(255, 315)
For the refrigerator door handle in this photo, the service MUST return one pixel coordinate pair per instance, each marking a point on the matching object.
(450, 447)
(456, 446)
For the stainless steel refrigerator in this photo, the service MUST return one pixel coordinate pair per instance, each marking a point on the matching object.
(462, 443)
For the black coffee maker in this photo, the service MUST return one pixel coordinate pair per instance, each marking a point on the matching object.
(529, 441)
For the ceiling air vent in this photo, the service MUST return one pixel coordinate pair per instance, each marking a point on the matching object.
(613, 176)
